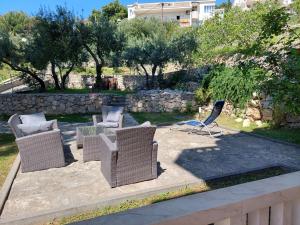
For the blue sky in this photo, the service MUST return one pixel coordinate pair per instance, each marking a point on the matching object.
(80, 7)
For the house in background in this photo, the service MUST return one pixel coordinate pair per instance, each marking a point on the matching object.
(186, 13)
(247, 4)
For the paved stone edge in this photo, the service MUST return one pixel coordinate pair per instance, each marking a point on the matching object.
(234, 199)
(5, 190)
(65, 212)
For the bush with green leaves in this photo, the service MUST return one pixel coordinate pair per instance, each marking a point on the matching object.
(202, 96)
(284, 87)
(235, 85)
(296, 9)
(237, 32)
(265, 38)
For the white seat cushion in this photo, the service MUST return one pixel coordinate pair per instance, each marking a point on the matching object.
(28, 129)
(113, 116)
(31, 119)
(145, 124)
(108, 124)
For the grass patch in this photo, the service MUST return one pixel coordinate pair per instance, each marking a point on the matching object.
(285, 134)
(6, 73)
(4, 117)
(8, 153)
(188, 190)
(71, 118)
(161, 118)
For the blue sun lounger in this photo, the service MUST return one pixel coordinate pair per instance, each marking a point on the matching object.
(208, 123)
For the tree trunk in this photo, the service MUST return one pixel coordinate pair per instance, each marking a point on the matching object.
(99, 66)
(63, 82)
(41, 83)
(55, 77)
(160, 77)
(153, 75)
(28, 72)
(98, 82)
(147, 77)
(65, 76)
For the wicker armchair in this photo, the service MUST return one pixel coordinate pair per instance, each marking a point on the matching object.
(101, 120)
(132, 158)
(38, 151)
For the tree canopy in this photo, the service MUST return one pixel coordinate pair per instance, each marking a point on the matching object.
(57, 42)
(16, 39)
(151, 44)
(113, 11)
(101, 39)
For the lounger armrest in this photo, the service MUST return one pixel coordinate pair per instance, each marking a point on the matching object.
(97, 119)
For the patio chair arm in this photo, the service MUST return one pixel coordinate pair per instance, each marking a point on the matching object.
(41, 151)
(154, 159)
(108, 144)
(38, 135)
(109, 155)
(97, 119)
(121, 120)
(55, 124)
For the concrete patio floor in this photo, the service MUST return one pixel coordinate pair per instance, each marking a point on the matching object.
(183, 159)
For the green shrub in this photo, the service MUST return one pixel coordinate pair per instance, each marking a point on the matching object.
(189, 107)
(234, 85)
(202, 96)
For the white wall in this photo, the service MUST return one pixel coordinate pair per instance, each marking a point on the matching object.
(168, 16)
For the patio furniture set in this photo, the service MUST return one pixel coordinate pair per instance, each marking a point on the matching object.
(128, 155)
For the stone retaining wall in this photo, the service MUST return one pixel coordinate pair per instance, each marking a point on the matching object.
(124, 82)
(144, 101)
(51, 103)
(136, 82)
(161, 101)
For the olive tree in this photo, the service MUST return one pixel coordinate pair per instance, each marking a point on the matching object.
(57, 42)
(114, 11)
(16, 41)
(101, 39)
(152, 44)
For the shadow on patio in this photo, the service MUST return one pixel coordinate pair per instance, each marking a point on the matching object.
(234, 154)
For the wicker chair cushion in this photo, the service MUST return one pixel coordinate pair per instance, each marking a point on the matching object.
(113, 116)
(28, 129)
(145, 124)
(108, 124)
(31, 119)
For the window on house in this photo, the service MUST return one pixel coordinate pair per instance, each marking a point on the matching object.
(178, 17)
(209, 8)
(194, 8)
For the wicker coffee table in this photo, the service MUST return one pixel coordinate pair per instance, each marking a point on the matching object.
(87, 137)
